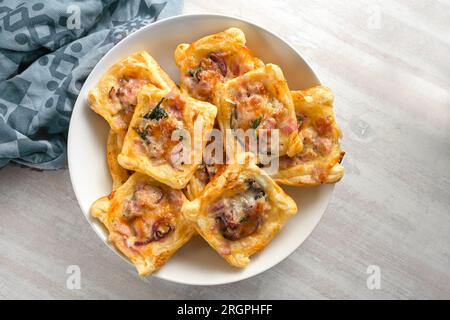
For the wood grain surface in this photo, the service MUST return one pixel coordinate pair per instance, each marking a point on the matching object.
(388, 63)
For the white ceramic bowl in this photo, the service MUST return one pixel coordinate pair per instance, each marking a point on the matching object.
(196, 263)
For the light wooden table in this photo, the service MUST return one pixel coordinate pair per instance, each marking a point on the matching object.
(389, 66)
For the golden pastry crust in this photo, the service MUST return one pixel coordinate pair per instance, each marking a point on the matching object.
(212, 60)
(202, 176)
(149, 147)
(144, 221)
(113, 147)
(240, 211)
(114, 97)
(213, 159)
(319, 161)
(260, 100)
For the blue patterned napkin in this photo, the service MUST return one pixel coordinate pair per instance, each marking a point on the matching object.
(47, 49)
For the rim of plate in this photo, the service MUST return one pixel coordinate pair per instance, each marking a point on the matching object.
(77, 109)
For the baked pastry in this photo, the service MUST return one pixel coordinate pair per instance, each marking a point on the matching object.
(213, 160)
(212, 60)
(113, 147)
(319, 161)
(240, 211)
(115, 96)
(202, 176)
(259, 100)
(144, 221)
(161, 141)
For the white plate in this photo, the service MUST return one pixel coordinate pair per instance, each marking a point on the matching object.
(196, 263)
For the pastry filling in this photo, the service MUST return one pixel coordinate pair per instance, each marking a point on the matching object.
(216, 67)
(147, 215)
(206, 172)
(210, 166)
(155, 130)
(211, 70)
(242, 214)
(256, 109)
(124, 97)
(317, 142)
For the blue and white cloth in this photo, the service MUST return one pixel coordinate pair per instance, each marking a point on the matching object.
(47, 50)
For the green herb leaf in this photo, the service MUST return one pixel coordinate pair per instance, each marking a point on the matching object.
(244, 219)
(233, 119)
(141, 133)
(194, 72)
(157, 113)
(255, 123)
(300, 118)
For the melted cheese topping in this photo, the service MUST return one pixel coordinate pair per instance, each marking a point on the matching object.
(148, 215)
(155, 132)
(212, 60)
(241, 214)
(214, 68)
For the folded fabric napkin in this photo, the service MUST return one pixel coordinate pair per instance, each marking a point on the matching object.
(47, 50)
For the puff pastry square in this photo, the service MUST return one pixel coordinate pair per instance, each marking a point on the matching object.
(156, 143)
(260, 100)
(319, 161)
(114, 97)
(144, 221)
(240, 211)
(212, 60)
(113, 148)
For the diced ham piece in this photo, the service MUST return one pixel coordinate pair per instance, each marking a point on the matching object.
(176, 107)
(289, 126)
(323, 145)
(128, 91)
(324, 126)
(145, 196)
(212, 70)
(235, 69)
(132, 209)
(207, 81)
(218, 59)
(175, 103)
(256, 101)
(307, 154)
(175, 197)
(115, 107)
(268, 124)
(148, 196)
